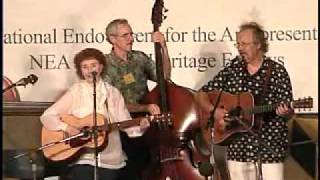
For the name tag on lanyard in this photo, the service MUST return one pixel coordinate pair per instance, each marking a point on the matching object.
(128, 78)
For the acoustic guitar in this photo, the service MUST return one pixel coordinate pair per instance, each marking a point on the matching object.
(241, 109)
(58, 145)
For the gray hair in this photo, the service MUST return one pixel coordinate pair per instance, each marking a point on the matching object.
(111, 28)
(258, 33)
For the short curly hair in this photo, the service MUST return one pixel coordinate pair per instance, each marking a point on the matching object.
(258, 33)
(86, 54)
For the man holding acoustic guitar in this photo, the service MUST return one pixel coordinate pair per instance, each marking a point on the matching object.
(251, 79)
(73, 113)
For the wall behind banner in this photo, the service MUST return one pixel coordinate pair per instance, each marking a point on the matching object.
(41, 37)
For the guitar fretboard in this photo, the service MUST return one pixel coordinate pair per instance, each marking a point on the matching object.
(301, 103)
(264, 108)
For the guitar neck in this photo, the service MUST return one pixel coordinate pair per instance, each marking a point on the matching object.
(124, 124)
(300, 103)
(263, 108)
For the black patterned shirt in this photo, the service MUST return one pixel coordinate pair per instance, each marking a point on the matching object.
(274, 132)
(130, 77)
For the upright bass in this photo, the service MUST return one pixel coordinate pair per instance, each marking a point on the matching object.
(173, 150)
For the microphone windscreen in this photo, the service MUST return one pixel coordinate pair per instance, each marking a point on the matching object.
(94, 73)
(32, 78)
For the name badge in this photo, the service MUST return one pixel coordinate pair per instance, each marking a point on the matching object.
(128, 78)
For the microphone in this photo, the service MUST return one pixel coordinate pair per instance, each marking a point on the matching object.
(206, 169)
(94, 73)
(29, 79)
(32, 78)
(86, 132)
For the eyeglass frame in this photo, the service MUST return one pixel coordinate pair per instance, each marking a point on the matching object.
(238, 45)
(126, 35)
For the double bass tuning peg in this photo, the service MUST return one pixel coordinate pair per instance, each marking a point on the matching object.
(165, 10)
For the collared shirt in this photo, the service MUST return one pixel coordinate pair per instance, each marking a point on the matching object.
(274, 132)
(78, 101)
(130, 77)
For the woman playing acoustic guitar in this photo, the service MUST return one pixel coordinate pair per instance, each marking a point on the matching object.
(73, 111)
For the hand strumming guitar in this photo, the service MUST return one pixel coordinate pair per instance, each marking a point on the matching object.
(222, 117)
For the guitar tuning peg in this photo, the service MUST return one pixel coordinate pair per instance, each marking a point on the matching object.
(164, 17)
(165, 9)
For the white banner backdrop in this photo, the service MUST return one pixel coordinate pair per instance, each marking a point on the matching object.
(41, 38)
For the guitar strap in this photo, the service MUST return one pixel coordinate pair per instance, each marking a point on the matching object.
(266, 82)
(260, 98)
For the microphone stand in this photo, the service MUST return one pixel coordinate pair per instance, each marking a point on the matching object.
(260, 143)
(212, 160)
(9, 87)
(210, 125)
(29, 153)
(95, 129)
(14, 85)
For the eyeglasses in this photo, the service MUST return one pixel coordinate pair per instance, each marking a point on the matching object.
(244, 44)
(126, 35)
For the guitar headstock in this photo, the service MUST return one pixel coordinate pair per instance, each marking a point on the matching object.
(303, 103)
(157, 13)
